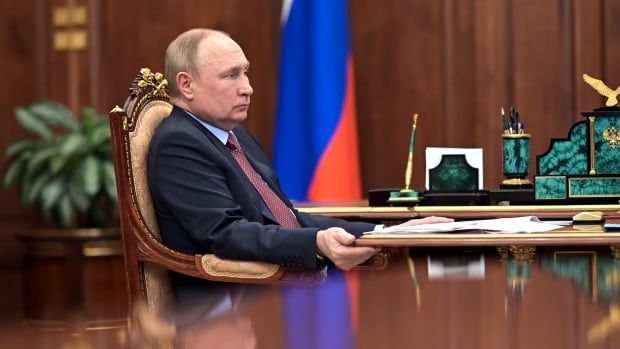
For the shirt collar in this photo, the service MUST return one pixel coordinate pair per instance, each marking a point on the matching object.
(219, 133)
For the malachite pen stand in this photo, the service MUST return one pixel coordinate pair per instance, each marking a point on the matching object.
(516, 154)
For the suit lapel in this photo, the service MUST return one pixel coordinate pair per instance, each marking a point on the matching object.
(256, 199)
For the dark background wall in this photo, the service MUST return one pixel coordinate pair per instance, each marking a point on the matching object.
(456, 62)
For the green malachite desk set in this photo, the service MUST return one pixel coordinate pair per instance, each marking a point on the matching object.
(584, 167)
(586, 164)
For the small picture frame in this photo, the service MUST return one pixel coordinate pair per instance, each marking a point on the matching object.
(454, 169)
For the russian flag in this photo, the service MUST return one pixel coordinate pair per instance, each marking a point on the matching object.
(315, 144)
(316, 155)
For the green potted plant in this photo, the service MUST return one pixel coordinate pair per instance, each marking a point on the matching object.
(66, 172)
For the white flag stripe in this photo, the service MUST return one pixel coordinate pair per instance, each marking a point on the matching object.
(286, 9)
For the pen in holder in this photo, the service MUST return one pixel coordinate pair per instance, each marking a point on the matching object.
(407, 195)
(516, 150)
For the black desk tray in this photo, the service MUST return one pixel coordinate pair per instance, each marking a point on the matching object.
(379, 197)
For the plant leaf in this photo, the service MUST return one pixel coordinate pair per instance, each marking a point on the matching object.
(13, 171)
(56, 113)
(66, 212)
(34, 189)
(39, 157)
(51, 193)
(99, 135)
(18, 147)
(63, 173)
(57, 163)
(109, 179)
(31, 123)
(79, 198)
(90, 177)
(18, 176)
(72, 143)
(90, 119)
(92, 115)
(24, 178)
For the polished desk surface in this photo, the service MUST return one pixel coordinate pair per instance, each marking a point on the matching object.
(428, 298)
(431, 298)
(555, 290)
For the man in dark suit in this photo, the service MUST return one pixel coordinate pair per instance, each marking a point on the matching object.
(212, 185)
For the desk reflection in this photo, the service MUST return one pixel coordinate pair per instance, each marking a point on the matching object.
(433, 298)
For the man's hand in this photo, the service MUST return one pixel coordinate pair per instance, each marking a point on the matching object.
(335, 244)
(425, 220)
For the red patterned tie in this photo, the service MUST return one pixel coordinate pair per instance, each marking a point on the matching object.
(280, 211)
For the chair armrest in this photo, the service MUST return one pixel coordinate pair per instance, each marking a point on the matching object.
(214, 268)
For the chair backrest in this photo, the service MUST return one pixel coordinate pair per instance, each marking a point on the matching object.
(132, 130)
(147, 260)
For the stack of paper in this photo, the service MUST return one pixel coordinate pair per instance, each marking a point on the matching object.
(527, 224)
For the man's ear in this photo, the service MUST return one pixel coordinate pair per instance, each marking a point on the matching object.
(184, 84)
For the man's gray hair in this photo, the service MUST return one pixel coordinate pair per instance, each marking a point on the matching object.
(182, 55)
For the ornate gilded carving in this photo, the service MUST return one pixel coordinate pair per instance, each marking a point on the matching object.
(612, 136)
(592, 119)
(116, 109)
(516, 181)
(156, 81)
(504, 253)
(603, 89)
(615, 252)
(523, 253)
(146, 86)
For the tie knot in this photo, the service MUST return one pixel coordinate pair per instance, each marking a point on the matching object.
(233, 142)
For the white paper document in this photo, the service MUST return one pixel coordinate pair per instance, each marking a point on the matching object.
(527, 224)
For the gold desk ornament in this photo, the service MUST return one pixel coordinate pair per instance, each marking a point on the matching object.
(155, 81)
(603, 89)
(408, 195)
(612, 136)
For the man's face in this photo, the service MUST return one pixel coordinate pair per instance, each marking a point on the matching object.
(221, 91)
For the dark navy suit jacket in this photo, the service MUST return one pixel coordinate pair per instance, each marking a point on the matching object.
(205, 204)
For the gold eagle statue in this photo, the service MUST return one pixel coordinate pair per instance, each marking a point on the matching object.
(600, 87)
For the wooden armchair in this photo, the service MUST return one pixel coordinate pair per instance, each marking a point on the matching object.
(147, 260)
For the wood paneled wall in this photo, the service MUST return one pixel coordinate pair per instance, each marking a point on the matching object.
(456, 62)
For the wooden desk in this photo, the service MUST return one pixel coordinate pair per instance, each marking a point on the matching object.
(579, 235)
(569, 236)
(359, 211)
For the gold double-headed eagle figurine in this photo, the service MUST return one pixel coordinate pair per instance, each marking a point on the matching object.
(600, 87)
